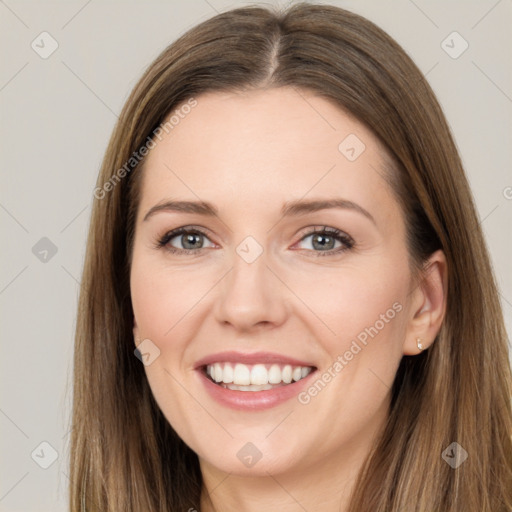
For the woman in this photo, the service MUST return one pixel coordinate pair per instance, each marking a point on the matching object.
(220, 364)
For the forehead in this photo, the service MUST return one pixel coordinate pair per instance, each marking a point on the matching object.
(264, 147)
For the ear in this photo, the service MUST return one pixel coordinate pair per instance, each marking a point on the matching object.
(428, 304)
(135, 332)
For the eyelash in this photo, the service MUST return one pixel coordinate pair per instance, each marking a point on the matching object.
(338, 235)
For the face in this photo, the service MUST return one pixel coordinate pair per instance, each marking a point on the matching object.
(270, 282)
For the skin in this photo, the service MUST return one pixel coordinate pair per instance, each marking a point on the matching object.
(248, 154)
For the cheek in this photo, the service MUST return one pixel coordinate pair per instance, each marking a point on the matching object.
(360, 324)
(162, 297)
(346, 303)
(163, 304)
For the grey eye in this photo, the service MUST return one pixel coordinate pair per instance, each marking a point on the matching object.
(321, 242)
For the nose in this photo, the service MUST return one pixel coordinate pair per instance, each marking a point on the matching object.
(251, 297)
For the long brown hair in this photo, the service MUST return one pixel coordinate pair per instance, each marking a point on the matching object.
(124, 454)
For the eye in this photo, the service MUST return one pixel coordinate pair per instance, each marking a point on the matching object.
(185, 241)
(327, 241)
(322, 241)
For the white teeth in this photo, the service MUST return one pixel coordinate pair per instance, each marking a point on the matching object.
(287, 374)
(217, 372)
(242, 375)
(252, 387)
(259, 375)
(274, 374)
(228, 374)
(256, 377)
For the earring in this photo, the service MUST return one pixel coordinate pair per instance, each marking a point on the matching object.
(418, 343)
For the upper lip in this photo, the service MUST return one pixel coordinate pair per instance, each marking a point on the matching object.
(250, 358)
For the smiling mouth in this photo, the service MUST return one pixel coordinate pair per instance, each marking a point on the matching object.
(255, 377)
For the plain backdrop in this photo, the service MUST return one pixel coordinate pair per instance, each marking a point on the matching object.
(57, 115)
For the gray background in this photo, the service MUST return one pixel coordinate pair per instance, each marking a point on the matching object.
(57, 115)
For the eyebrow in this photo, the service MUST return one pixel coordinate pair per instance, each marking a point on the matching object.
(199, 207)
(301, 207)
(290, 208)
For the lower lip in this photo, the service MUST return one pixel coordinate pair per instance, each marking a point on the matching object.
(253, 400)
